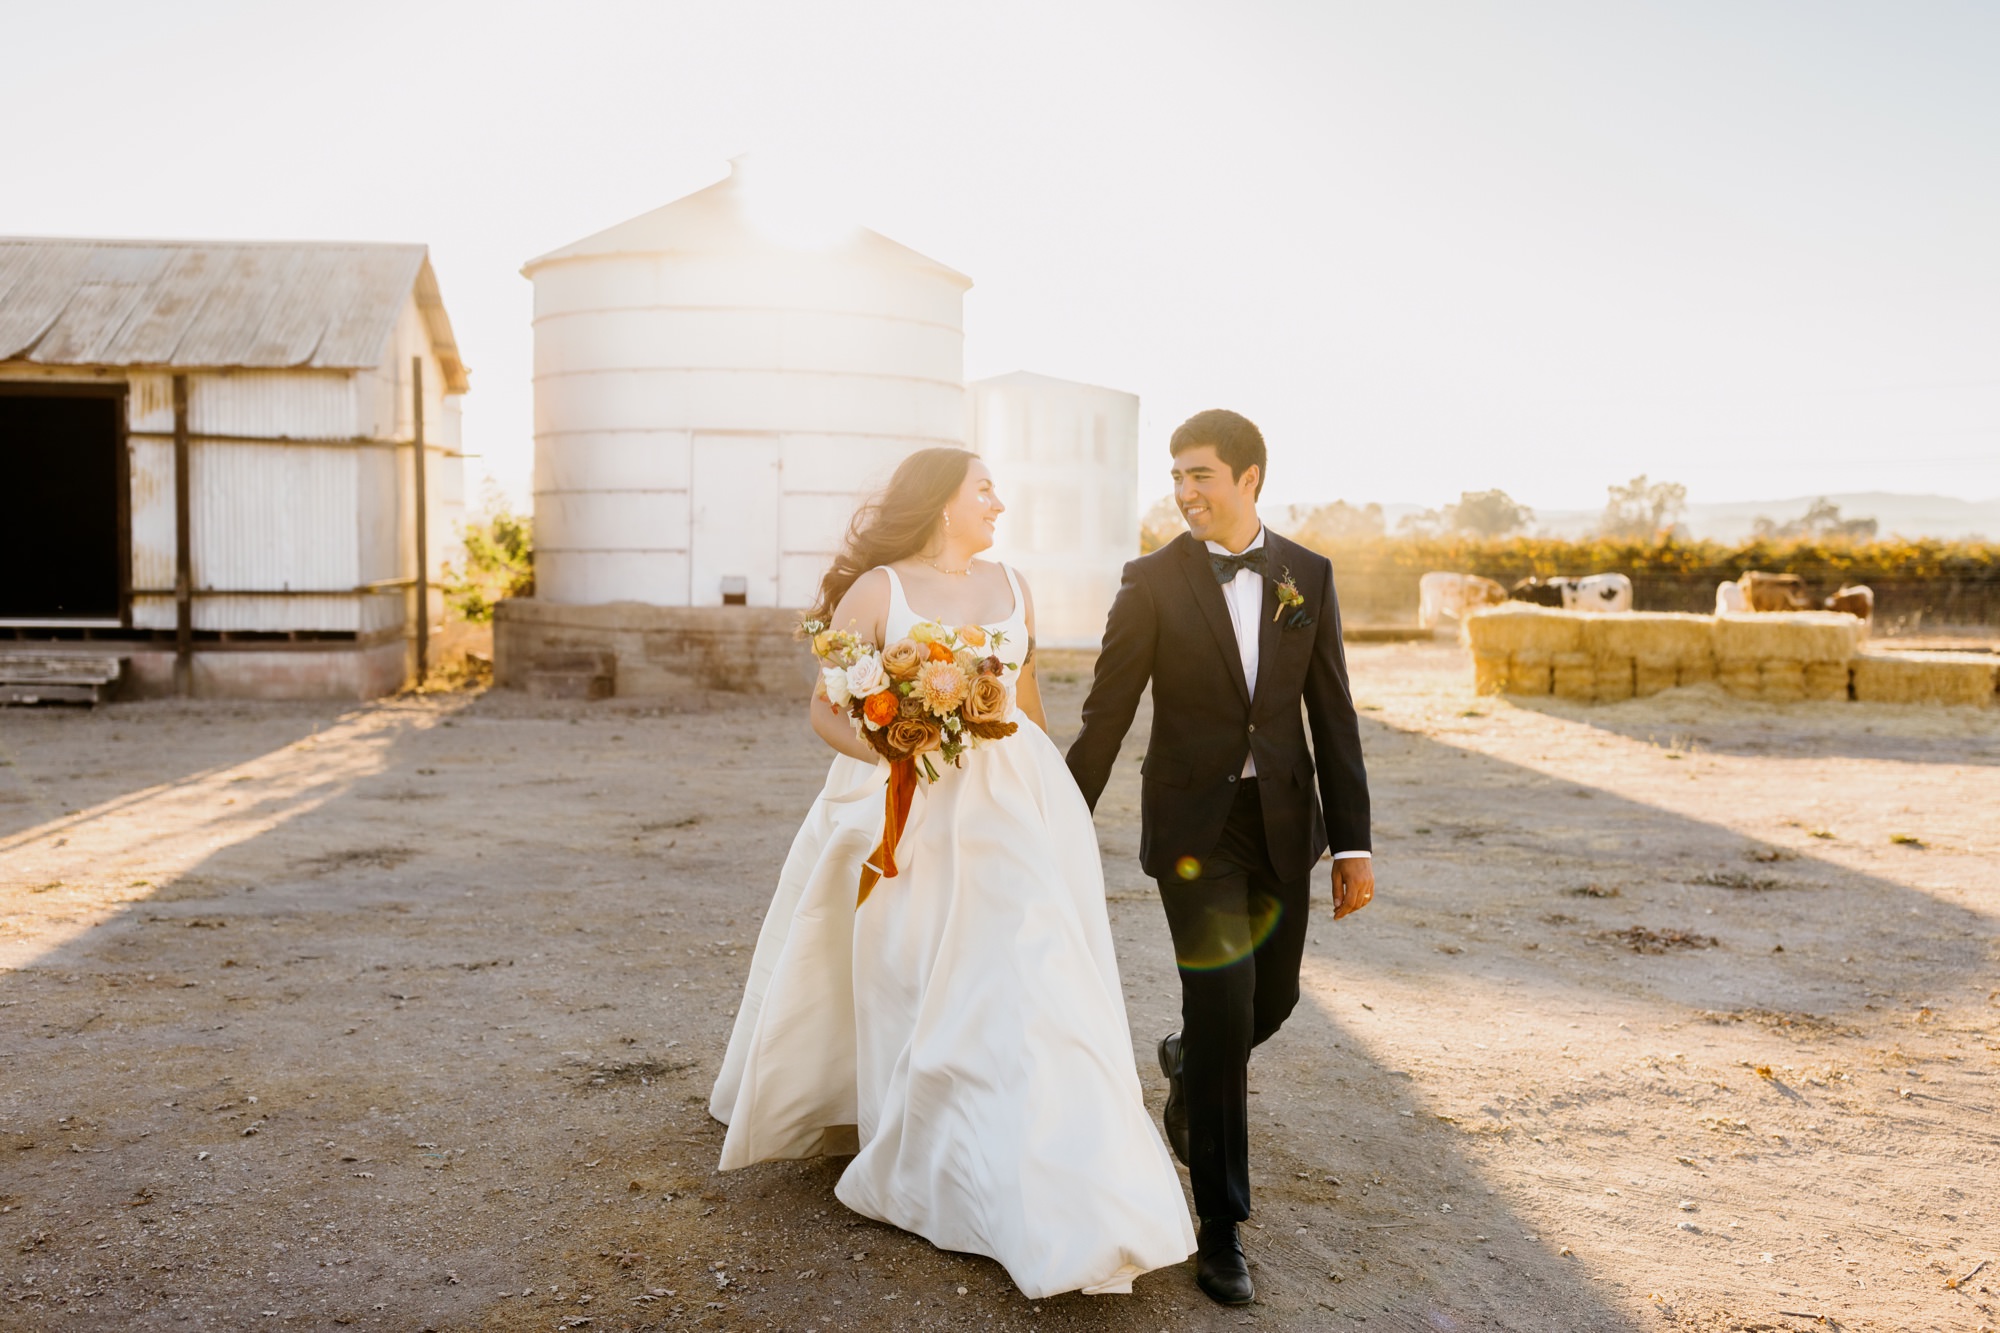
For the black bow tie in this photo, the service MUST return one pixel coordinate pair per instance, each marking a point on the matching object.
(1225, 566)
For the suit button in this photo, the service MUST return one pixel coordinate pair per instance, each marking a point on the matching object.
(1230, 778)
(1253, 726)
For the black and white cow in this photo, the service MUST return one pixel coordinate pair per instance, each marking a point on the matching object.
(1607, 593)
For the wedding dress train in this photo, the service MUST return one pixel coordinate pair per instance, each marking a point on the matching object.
(962, 1032)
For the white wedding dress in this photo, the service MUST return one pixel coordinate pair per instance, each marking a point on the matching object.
(962, 1032)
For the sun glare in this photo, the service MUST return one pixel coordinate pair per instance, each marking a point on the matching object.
(797, 202)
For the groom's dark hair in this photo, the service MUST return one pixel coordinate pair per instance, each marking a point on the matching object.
(1234, 437)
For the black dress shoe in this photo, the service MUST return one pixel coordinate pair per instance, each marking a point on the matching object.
(1175, 1115)
(1220, 1268)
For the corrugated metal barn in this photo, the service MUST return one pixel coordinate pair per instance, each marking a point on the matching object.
(233, 467)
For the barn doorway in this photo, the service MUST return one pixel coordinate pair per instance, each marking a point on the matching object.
(62, 511)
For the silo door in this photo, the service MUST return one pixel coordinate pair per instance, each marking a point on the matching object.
(733, 537)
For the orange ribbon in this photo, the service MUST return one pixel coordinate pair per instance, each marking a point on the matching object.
(881, 863)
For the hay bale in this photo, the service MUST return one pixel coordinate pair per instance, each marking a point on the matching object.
(1615, 678)
(1653, 673)
(1926, 678)
(1781, 682)
(1574, 676)
(1528, 674)
(1489, 673)
(1796, 636)
(1742, 679)
(1656, 634)
(1826, 680)
(1696, 671)
(1519, 628)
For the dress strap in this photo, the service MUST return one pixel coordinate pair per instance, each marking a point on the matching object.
(1020, 602)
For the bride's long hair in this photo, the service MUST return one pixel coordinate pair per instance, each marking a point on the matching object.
(896, 524)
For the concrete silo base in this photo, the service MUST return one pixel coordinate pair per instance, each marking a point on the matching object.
(658, 650)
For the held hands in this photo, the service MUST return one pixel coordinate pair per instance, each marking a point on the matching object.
(1353, 885)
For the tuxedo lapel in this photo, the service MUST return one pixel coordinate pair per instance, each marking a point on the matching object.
(1275, 563)
(1208, 596)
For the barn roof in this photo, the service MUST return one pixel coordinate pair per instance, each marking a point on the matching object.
(718, 219)
(321, 305)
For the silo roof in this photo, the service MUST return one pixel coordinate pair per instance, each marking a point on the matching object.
(320, 305)
(715, 220)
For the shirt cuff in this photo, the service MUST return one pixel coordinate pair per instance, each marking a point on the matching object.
(1353, 856)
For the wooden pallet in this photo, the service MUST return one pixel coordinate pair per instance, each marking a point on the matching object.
(48, 678)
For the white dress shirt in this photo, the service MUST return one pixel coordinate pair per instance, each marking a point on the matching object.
(1244, 595)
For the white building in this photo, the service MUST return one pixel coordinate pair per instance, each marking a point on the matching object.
(714, 397)
(1065, 458)
(208, 461)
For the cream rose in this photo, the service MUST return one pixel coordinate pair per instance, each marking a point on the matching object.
(867, 677)
(834, 680)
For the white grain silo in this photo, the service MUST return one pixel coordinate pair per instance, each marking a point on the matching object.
(1065, 457)
(713, 398)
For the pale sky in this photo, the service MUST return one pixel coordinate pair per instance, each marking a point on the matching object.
(1429, 246)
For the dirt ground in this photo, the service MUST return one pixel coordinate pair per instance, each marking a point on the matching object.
(1673, 1014)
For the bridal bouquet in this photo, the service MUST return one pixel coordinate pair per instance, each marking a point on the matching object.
(938, 692)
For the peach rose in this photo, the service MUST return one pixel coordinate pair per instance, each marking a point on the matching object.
(912, 735)
(881, 708)
(903, 658)
(972, 636)
(987, 700)
(941, 686)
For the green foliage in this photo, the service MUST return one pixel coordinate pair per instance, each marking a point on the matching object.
(499, 562)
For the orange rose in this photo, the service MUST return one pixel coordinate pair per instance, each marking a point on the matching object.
(902, 658)
(940, 653)
(971, 636)
(881, 708)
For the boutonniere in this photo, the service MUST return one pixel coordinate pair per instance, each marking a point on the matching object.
(1288, 597)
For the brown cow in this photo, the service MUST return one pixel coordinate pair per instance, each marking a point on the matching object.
(1857, 599)
(1774, 592)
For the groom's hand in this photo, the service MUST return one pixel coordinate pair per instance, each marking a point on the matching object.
(1353, 885)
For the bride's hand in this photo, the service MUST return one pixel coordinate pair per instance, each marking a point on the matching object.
(1353, 884)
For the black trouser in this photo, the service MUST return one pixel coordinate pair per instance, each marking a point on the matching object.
(1238, 932)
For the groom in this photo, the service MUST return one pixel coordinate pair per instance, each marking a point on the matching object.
(1234, 626)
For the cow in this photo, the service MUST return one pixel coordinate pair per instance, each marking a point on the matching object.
(1774, 592)
(1608, 593)
(1729, 599)
(1454, 595)
(1856, 599)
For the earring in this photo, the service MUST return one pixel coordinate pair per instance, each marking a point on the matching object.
(947, 518)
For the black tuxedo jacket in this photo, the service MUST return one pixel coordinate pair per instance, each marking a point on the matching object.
(1170, 624)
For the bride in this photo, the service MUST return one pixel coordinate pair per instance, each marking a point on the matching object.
(962, 1031)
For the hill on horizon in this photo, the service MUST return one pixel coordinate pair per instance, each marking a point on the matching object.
(1940, 517)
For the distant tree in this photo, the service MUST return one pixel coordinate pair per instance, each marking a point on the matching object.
(1641, 508)
(1162, 523)
(499, 560)
(1821, 520)
(1486, 514)
(1339, 522)
(1423, 524)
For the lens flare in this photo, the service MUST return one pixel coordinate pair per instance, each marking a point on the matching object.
(1227, 938)
(1188, 868)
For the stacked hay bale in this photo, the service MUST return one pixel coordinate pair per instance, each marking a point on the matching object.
(1782, 657)
(1523, 649)
(1646, 652)
(1927, 678)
